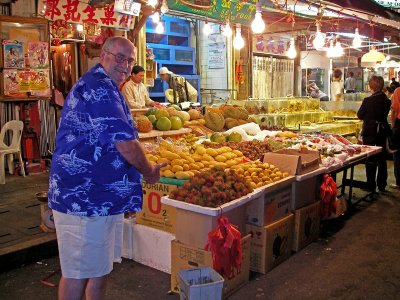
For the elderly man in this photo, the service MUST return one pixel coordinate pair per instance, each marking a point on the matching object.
(95, 175)
(182, 90)
(135, 92)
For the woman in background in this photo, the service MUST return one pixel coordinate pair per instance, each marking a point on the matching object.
(337, 86)
(373, 112)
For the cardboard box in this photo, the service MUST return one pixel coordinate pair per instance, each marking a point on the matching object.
(146, 245)
(270, 207)
(187, 257)
(192, 228)
(270, 245)
(293, 161)
(154, 213)
(306, 226)
(305, 192)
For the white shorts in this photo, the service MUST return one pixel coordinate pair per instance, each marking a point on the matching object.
(88, 246)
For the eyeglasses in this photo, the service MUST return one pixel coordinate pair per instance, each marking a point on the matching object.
(119, 58)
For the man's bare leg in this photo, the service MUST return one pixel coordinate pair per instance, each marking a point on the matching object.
(96, 288)
(71, 289)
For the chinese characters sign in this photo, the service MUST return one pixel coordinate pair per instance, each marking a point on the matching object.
(389, 3)
(237, 11)
(75, 11)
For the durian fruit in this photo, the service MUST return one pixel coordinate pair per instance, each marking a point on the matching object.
(144, 125)
(236, 112)
(230, 123)
(214, 120)
(194, 114)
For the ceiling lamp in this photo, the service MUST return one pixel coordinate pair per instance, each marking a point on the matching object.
(331, 50)
(160, 27)
(291, 52)
(319, 39)
(371, 58)
(152, 2)
(338, 49)
(258, 25)
(227, 30)
(156, 17)
(238, 42)
(207, 29)
(357, 41)
(164, 7)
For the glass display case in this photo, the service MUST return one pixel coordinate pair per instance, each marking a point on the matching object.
(24, 59)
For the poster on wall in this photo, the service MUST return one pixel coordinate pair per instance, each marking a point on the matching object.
(270, 44)
(216, 55)
(38, 55)
(13, 54)
(39, 84)
(11, 83)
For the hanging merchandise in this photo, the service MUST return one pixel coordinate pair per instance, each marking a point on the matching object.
(239, 76)
(226, 248)
(328, 194)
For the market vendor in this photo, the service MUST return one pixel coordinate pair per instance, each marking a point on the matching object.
(182, 90)
(135, 92)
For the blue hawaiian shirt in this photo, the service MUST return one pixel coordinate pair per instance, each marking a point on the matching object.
(88, 176)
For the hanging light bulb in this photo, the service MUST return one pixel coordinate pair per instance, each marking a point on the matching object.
(338, 49)
(79, 27)
(207, 29)
(160, 27)
(319, 39)
(238, 42)
(331, 50)
(156, 17)
(291, 52)
(227, 30)
(357, 41)
(258, 25)
(164, 7)
(152, 2)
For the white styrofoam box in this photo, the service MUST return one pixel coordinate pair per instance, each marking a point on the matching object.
(200, 284)
(148, 246)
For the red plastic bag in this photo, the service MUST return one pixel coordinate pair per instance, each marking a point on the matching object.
(226, 248)
(328, 193)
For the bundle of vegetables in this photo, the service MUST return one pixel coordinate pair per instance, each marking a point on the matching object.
(212, 188)
(253, 150)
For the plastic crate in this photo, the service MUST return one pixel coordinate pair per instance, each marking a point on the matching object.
(200, 284)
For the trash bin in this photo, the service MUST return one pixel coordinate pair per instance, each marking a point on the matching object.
(200, 284)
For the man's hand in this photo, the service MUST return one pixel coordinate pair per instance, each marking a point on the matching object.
(154, 175)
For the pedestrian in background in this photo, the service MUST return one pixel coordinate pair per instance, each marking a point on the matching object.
(374, 112)
(95, 175)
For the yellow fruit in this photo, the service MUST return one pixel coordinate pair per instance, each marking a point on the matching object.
(194, 167)
(169, 155)
(253, 185)
(190, 173)
(205, 163)
(182, 175)
(177, 162)
(177, 168)
(200, 164)
(237, 153)
(200, 150)
(163, 160)
(169, 174)
(285, 174)
(197, 157)
(207, 157)
(227, 149)
(190, 159)
(165, 168)
(220, 158)
(260, 184)
(186, 167)
(231, 163)
(211, 152)
(219, 151)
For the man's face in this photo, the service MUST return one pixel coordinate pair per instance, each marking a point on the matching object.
(138, 78)
(119, 61)
(164, 77)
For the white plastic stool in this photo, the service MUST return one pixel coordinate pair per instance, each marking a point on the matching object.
(14, 148)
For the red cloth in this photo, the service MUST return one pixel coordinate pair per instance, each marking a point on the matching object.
(328, 193)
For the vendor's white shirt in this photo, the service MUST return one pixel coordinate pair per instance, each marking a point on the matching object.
(136, 95)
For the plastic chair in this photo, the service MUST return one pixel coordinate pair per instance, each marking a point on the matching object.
(15, 147)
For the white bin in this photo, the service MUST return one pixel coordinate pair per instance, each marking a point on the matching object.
(200, 284)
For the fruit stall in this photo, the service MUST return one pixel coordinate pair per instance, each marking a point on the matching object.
(260, 191)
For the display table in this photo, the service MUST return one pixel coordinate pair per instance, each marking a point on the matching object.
(154, 134)
(138, 111)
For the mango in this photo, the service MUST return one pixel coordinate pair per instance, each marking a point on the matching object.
(182, 175)
(176, 168)
(211, 152)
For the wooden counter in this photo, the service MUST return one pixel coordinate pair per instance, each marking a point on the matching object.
(152, 135)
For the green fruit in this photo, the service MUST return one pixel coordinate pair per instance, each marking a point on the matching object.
(235, 137)
(176, 107)
(161, 113)
(163, 124)
(152, 119)
(218, 138)
(176, 122)
(151, 111)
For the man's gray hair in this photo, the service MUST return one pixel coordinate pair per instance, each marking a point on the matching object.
(112, 42)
